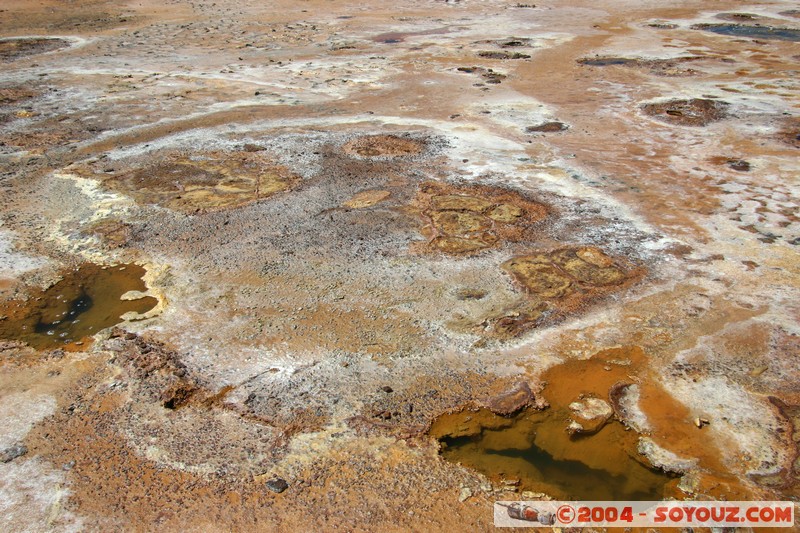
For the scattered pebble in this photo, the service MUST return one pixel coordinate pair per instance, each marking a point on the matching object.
(12, 452)
(277, 485)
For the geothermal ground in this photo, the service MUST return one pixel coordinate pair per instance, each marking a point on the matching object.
(371, 266)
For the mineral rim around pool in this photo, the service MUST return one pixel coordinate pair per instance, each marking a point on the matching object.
(385, 264)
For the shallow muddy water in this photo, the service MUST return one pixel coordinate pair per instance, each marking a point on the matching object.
(85, 301)
(578, 447)
(534, 448)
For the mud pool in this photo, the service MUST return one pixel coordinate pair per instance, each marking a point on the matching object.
(520, 452)
(87, 300)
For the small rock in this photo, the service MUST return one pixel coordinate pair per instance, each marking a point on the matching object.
(387, 389)
(700, 422)
(591, 415)
(513, 400)
(465, 494)
(739, 165)
(574, 427)
(663, 459)
(530, 495)
(547, 127)
(12, 452)
(624, 399)
(277, 485)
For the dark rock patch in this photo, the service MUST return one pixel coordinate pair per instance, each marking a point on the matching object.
(502, 55)
(12, 452)
(277, 485)
(12, 49)
(693, 112)
(755, 32)
(547, 127)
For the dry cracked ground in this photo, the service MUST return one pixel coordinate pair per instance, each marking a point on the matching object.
(372, 266)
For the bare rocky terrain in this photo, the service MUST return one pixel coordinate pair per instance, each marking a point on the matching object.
(263, 265)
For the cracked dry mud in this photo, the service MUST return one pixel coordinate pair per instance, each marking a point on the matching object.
(386, 264)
